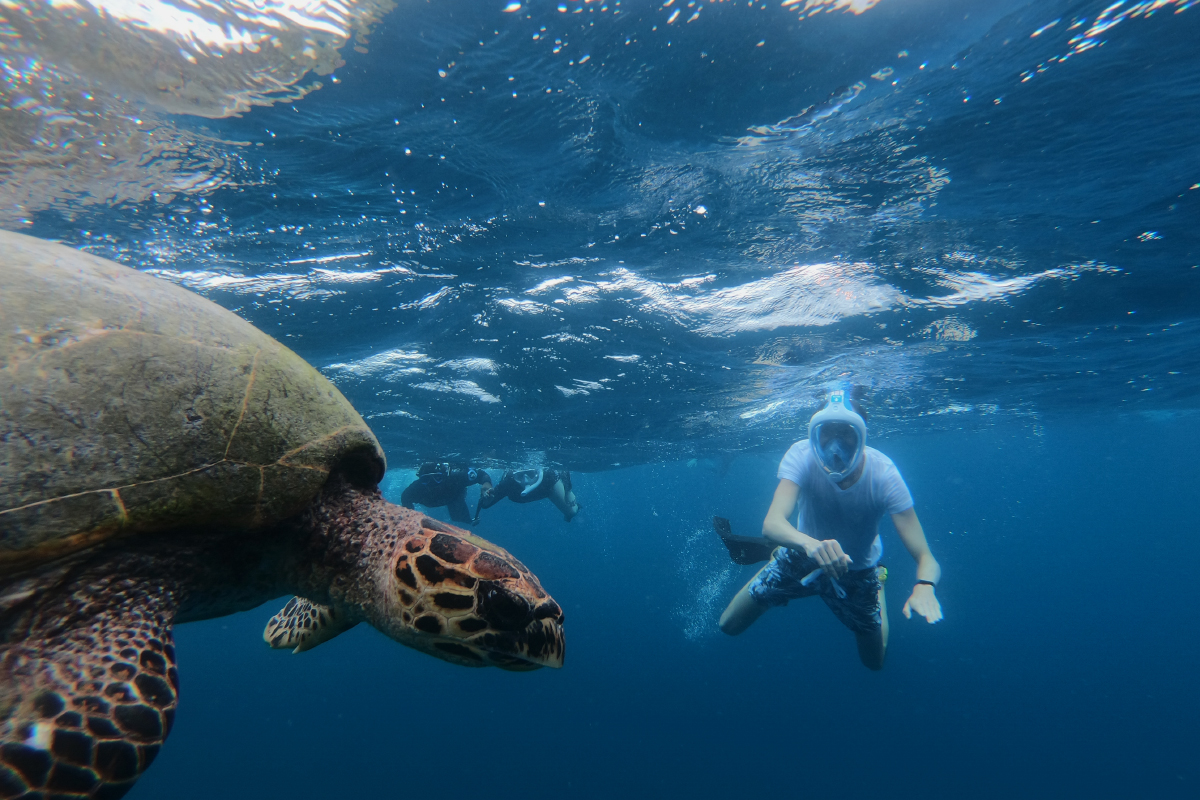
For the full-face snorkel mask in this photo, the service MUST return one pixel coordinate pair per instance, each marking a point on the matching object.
(838, 437)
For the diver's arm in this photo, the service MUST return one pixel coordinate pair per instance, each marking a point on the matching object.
(777, 529)
(487, 499)
(923, 599)
(485, 480)
(408, 496)
(485, 491)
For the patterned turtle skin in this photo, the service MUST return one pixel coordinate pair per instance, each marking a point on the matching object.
(162, 461)
(449, 593)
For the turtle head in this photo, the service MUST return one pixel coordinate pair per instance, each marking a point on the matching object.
(463, 599)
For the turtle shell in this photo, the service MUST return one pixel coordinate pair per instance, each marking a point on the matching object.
(130, 405)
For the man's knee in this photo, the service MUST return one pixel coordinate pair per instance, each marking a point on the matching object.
(740, 614)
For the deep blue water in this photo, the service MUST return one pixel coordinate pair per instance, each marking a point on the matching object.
(641, 248)
(1063, 667)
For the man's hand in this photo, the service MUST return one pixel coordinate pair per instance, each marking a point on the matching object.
(828, 554)
(924, 602)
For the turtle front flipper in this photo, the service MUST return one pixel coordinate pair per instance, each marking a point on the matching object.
(302, 625)
(87, 690)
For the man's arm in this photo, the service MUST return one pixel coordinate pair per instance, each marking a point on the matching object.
(923, 600)
(777, 529)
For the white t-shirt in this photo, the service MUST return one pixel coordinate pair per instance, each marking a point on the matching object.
(851, 516)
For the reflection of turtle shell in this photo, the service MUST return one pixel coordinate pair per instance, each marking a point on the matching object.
(130, 405)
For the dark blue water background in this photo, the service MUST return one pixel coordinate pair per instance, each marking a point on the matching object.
(1063, 667)
(647, 266)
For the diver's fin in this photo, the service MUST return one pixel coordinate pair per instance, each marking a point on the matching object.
(742, 549)
(302, 625)
(721, 526)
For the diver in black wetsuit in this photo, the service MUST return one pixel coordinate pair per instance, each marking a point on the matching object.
(531, 485)
(445, 485)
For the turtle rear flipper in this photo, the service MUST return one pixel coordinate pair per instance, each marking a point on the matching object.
(302, 625)
(87, 691)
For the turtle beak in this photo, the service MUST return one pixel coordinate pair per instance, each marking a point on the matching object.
(539, 643)
(550, 645)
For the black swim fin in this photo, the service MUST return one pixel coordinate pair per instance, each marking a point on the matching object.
(743, 549)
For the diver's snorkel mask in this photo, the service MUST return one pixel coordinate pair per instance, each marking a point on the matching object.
(838, 437)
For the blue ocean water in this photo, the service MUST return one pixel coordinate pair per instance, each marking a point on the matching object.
(1062, 668)
(639, 241)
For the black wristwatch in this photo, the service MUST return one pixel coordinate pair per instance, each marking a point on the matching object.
(927, 583)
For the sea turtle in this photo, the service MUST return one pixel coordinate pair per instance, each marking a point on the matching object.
(162, 461)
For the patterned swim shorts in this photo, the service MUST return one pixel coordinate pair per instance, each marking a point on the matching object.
(779, 581)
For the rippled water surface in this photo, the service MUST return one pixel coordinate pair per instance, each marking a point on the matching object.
(640, 240)
(612, 235)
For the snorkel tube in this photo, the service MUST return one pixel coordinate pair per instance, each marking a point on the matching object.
(846, 439)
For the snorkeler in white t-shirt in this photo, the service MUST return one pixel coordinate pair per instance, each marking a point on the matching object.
(842, 489)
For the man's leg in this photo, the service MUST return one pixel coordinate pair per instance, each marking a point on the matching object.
(563, 501)
(872, 647)
(742, 610)
(568, 494)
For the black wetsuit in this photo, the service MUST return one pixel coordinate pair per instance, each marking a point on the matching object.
(444, 486)
(514, 484)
